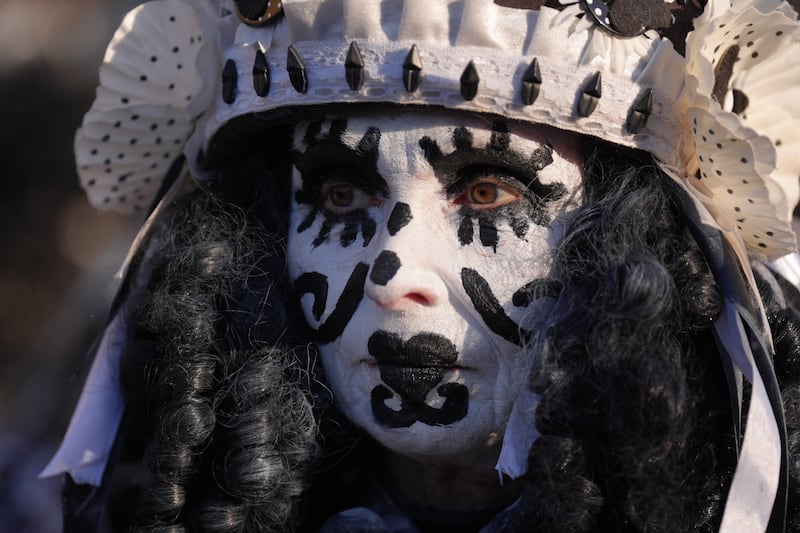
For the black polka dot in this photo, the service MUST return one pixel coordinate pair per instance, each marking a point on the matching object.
(711, 132)
(153, 127)
(120, 156)
(166, 156)
(710, 159)
(199, 38)
(770, 234)
(170, 122)
(94, 151)
(177, 142)
(114, 188)
(147, 179)
(171, 86)
(762, 245)
(743, 160)
(754, 55)
(737, 209)
(700, 157)
(749, 44)
(172, 18)
(745, 182)
(142, 78)
(750, 200)
(719, 145)
(124, 100)
(730, 191)
(146, 155)
(153, 59)
(90, 182)
(154, 165)
(134, 117)
(180, 66)
(106, 137)
(117, 124)
(175, 49)
(133, 141)
(778, 142)
(718, 172)
(122, 178)
(158, 140)
(779, 33)
(122, 199)
(191, 40)
(106, 200)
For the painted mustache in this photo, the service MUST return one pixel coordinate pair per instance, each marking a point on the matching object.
(411, 369)
(421, 350)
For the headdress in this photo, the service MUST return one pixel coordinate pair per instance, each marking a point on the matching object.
(717, 110)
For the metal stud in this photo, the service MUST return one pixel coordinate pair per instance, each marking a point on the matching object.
(531, 82)
(590, 95)
(469, 82)
(354, 67)
(297, 70)
(640, 112)
(412, 70)
(261, 73)
(230, 78)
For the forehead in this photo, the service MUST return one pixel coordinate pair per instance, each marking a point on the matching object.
(401, 131)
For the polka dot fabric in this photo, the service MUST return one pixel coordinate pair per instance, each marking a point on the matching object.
(145, 106)
(743, 119)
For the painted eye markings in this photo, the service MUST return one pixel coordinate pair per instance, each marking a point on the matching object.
(489, 308)
(499, 165)
(331, 170)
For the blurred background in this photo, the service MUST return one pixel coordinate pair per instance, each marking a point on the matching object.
(61, 254)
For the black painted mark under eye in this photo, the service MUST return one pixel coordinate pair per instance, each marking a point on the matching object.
(411, 369)
(324, 153)
(499, 154)
(385, 267)
(316, 284)
(399, 218)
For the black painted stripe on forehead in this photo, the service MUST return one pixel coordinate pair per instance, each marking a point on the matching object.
(501, 138)
(338, 127)
(462, 138)
(430, 150)
(370, 143)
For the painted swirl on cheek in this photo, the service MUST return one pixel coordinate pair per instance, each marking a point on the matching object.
(412, 369)
(316, 284)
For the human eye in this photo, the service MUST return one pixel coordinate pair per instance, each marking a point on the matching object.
(485, 188)
(342, 197)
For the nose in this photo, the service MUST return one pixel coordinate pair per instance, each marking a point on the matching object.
(401, 284)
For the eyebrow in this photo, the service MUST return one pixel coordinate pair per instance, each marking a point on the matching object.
(496, 153)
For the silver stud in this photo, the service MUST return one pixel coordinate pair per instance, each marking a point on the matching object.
(297, 70)
(354, 67)
(590, 95)
(640, 112)
(229, 81)
(531, 82)
(261, 73)
(412, 70)
(469, 82)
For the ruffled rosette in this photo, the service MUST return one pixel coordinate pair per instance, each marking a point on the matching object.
(743, 122)
(151, 91)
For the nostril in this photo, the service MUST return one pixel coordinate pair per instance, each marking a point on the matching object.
(419, 298)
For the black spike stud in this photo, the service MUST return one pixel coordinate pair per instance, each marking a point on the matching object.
(354, 67)
(296, 69)
(590, 95)
(640, 112)
(229, 80)
(412, 70)
(261, 74)
(469, 82)
(531, 82)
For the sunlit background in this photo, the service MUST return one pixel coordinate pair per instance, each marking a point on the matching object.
(59, 254)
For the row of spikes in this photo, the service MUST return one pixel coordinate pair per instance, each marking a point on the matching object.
(412, 77)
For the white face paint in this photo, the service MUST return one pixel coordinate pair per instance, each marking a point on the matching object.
(411, 233)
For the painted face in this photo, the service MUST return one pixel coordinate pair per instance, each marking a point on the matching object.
(420, 246)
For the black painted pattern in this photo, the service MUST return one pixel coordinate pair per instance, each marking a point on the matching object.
(497, 154)
(399, 218)
(411, 369)
(385, 267)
